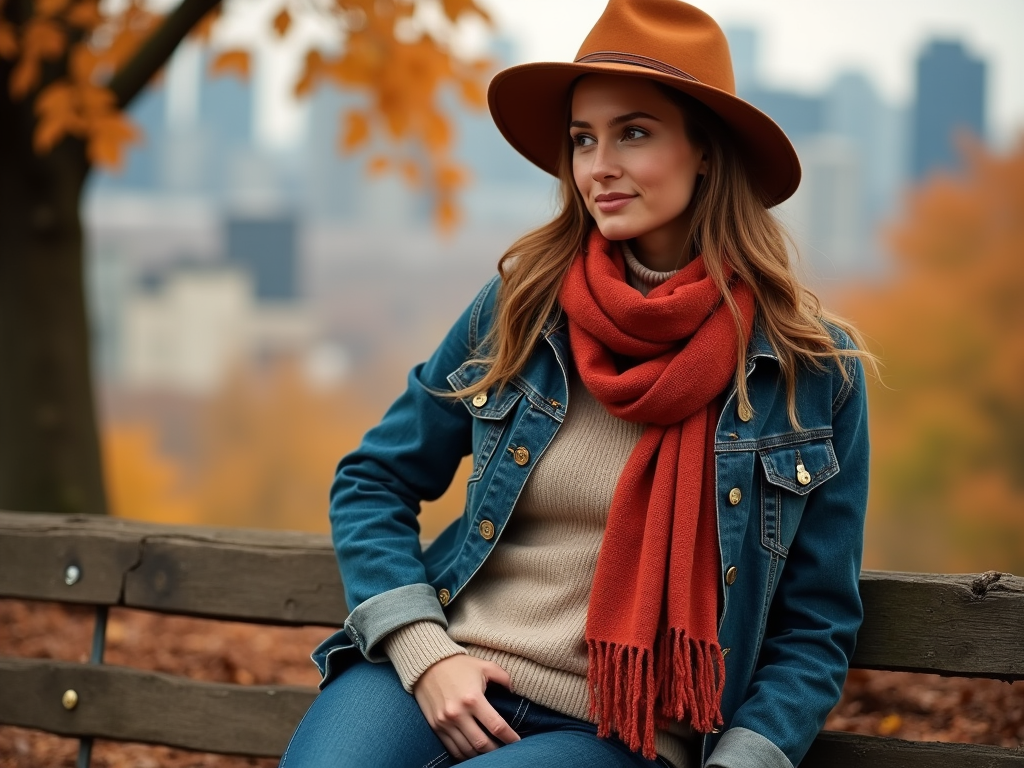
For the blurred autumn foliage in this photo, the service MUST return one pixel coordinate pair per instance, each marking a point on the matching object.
(394, 52)
(265, 450)
(947, 491)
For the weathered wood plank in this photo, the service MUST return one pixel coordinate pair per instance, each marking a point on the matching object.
(846, 750)
(281, 577)
(37, 550)
(971, 626)
(132, 705)
(275, 584)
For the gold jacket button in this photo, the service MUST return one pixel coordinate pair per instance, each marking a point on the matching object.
(802, 475)
(487, 529)
(730, 575)
(443, 596)
(745, 413)
(735, 496)
(480, 399)
(521, 456)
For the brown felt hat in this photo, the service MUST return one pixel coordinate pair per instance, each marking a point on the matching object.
(663, 40)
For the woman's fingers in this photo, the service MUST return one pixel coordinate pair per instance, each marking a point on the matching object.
(478, 740)
(451, 695)
(449, 745)
(497, 726)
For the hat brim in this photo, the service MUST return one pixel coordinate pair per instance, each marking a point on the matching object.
(528, 105)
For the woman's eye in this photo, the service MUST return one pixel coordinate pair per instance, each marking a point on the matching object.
(582, 140)
(632, 133)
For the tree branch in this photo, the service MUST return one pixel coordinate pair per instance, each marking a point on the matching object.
(157, 49)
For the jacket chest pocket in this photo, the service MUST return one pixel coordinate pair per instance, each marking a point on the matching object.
(791, 472)
(490, 411)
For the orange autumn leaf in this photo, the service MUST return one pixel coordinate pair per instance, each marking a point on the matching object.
(8, 41)
(43, 39)
(437, 133)
(56, 98)
(96, 101)
(378, 165)
(453, 9)
(356, 132)
(108, 136)
(24, 77)
(451, 176)
(282, 22)
(202, 30)
(82, 63)
(50, 130)
(50, 7)
(234, 62)
(447, 214)
(85, 14)
(473, 93)
(312, 71)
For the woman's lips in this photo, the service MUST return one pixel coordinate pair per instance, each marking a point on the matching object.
(612, 202)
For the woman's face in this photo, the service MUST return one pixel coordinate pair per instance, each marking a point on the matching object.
(635, 165)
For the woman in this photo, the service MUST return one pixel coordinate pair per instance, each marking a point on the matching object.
(678, 431)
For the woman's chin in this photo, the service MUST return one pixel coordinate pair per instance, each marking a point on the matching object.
(618, 229)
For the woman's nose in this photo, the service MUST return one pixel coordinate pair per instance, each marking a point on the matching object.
(606, 165)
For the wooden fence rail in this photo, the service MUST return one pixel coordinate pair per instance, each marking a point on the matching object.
(971, 626)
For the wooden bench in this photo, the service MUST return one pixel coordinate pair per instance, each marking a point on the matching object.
(970, 626)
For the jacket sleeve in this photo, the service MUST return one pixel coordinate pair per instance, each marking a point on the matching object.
(816, 611)
(410, 456)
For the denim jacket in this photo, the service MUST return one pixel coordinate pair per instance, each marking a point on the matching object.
(790, 507)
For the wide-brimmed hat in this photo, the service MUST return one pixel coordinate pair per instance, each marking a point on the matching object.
(663, 40)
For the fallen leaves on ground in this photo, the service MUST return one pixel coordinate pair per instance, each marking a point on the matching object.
(909, 706)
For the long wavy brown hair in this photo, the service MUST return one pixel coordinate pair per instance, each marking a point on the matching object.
(731, 227)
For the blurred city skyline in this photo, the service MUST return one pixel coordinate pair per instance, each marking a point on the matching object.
(806, 44)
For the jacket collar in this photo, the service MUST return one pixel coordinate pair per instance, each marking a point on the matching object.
(759, 346)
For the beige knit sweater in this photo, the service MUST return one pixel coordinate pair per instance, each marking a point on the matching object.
(526, 608)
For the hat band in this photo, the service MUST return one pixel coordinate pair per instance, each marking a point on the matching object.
(617, 57)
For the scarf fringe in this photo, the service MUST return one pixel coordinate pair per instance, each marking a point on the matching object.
(684, 678)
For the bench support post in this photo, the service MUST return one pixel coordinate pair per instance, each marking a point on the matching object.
(99, 639)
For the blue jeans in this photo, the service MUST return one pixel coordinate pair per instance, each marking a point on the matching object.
(365, 719)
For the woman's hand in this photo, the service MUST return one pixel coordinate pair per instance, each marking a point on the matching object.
(451, 695)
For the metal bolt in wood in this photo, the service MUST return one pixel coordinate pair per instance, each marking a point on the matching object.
(72, 574)
(69, 699)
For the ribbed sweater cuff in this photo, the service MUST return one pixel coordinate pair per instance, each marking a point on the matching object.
(415, 647)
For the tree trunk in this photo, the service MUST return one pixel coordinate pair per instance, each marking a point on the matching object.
(49, 444)
(49, 449)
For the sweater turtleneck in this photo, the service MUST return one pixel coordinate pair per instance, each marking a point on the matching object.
(640, 277)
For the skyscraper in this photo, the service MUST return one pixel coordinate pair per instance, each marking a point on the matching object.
(950, 98)
(266, 248)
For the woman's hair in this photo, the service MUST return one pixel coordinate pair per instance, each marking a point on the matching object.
(731, 226)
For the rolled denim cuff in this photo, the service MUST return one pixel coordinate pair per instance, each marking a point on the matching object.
(743, 748)
(415, 648)
(372, 620)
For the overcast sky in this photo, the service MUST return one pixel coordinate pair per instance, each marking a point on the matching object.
(805, 43)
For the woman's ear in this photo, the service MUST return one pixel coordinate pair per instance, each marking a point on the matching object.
(702, 169)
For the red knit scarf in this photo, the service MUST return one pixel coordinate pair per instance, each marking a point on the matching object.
(662, 360)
